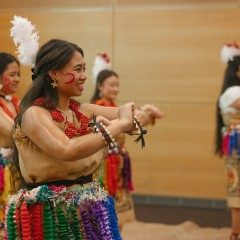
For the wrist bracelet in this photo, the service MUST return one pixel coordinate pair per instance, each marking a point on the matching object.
(140, 132)
(106, 135)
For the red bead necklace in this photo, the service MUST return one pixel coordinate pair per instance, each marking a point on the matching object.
(70, 129)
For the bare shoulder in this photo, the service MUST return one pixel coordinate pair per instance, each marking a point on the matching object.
(35, 116)
(36, 111)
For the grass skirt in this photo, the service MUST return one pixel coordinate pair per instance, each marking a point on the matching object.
(62, 212)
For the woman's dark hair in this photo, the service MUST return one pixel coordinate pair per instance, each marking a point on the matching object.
(53, 55)
(5, 59)
(102, 76)
(230, 79)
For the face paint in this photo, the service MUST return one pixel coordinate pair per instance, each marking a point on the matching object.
(71, 78)
(6, 82)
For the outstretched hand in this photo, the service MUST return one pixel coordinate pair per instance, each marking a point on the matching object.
(153, 112)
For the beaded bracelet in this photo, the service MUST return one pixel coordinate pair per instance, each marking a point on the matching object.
(140, 132)
(110, 141)
(106, 135)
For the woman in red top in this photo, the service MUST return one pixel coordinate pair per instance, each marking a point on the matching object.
(9, 106)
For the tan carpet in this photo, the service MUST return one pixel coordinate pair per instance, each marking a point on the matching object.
(184, 231)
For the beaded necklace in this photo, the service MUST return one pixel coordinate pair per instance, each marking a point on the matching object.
(70, 129)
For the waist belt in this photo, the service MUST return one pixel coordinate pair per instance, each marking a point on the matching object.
(81, 180)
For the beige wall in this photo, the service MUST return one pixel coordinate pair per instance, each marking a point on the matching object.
(167, 53)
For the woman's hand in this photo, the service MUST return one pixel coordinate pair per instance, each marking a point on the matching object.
(125, 115)
(103, 120)
(153, 112)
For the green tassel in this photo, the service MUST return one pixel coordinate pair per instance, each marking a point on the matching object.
(47, 222)
(74, 223)
(11, 227)
(100, 179)
(44, 194)
(54, 223)
(63, 228)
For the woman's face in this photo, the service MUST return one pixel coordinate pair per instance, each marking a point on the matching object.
(71, 78)
(10, 79)
(110, 88)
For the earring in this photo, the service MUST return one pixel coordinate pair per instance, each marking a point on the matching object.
(54, 83)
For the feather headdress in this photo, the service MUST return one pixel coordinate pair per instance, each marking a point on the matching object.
(102, 62)
(229, 51)
(25, 37)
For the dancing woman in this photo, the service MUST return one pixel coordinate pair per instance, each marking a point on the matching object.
(117, 177)
(227, 131)
(9, 106)
(59, 146)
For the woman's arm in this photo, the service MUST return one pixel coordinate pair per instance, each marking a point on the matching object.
(6, 126)
(111, 113)
(38, 125)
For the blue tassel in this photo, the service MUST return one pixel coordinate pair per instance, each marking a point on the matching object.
(231, 142)
(110, 206)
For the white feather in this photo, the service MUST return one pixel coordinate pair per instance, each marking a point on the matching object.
(25, 37)
(228, 52)
(99, 65)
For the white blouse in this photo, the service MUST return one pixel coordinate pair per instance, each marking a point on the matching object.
(227, 98)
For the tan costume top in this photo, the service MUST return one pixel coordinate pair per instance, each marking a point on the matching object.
(37, 166)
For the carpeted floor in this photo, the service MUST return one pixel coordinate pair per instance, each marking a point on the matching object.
(156, 231)
(185, 231)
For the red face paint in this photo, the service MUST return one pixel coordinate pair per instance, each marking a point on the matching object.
(71, 78)
(6, 82)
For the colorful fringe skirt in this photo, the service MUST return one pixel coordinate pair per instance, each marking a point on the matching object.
(231, 152)
(62, 212)
(117, 181)
(231, 140)
(5, 186)
(117, 171)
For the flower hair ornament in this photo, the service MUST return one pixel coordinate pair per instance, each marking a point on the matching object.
(102, 62)
(229, 51)
(25, 37)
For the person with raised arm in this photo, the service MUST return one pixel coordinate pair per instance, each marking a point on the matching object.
(9, 107)
(117, 170)
(59, 145)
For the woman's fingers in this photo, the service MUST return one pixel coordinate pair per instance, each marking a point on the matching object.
(103, 120)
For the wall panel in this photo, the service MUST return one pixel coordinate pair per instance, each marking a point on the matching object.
(91, 30)
(167, 53)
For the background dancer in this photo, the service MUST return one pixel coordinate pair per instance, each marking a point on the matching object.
(117, 167)
(227, 131)
(9, 106)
